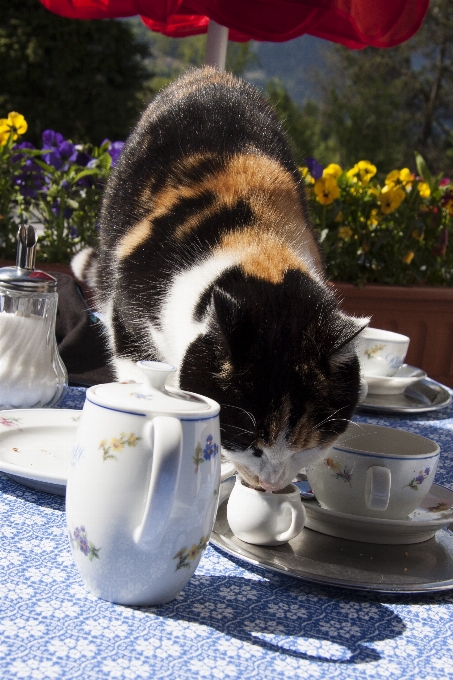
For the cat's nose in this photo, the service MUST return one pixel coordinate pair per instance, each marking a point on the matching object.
(270, 486)
(273, 482)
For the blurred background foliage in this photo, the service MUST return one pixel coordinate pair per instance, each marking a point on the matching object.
(90, 80)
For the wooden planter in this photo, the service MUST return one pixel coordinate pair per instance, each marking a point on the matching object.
(424, 314)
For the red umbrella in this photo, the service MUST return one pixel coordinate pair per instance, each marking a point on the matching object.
(353, 23)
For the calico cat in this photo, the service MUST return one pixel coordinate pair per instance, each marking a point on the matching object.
(207, 261)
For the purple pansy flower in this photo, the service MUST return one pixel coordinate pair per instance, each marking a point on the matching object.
(51, 139)
(315, 168)
(114, 151)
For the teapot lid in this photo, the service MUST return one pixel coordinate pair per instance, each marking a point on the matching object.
(152, 396)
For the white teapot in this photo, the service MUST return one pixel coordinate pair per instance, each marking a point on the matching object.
(142, 489)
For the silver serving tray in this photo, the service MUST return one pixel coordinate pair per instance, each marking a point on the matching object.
(424, 395)
(318, 558)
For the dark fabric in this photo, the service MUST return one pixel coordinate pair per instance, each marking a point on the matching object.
(80, 336)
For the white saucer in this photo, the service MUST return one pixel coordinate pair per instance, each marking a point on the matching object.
(35, 446)
(435, 512)
(395, 384)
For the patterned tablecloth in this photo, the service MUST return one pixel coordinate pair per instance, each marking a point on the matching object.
(231, 621)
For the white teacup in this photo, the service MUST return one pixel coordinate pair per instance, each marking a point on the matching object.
(375, 471)
(265, 517)
(142, 488)
(381, 352)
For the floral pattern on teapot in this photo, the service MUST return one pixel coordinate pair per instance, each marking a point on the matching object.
(187, 555)
(116, 444)
(80, 539)
(210, 450)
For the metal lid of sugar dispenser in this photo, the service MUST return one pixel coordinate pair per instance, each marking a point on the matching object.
(24, 277)
(152, 396)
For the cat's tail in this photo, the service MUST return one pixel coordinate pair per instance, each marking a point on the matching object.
(84, 266)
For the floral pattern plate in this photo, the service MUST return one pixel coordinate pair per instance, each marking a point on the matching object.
(435, 512)
(35, 446)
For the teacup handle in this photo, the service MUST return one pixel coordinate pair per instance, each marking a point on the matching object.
(298, 518)
(378, 483)
(163, 434)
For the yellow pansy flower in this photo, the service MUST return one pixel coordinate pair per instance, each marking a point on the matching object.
(406, 176)
(345, 232)
(392, 177)
(4, 131)
(326, 189)
(364, 170)
(373, 220)
(407, 259)
(339, 217)
(333, 169)
(424, 190)
(417, 235)
(15, 123)
(391, 198)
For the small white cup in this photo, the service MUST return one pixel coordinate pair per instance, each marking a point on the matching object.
(381, 352)
(265, 517)
(375, 471)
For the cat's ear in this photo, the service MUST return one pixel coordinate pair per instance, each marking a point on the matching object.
(235, 322)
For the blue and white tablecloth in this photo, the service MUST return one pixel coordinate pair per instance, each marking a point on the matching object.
(231, 621)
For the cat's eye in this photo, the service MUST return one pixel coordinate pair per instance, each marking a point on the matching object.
(257, 452)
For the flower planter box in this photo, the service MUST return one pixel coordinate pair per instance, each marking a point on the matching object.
(424, 314)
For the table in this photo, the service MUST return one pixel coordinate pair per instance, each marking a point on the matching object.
(232, 620)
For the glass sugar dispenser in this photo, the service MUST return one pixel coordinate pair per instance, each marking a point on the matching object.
(32, 374)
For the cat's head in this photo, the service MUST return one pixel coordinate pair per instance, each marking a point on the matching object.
(280, 359)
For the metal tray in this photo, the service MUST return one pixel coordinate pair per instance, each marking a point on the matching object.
(318, 558)
(424, 395)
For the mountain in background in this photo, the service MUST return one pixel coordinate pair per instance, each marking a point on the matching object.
(295, 63)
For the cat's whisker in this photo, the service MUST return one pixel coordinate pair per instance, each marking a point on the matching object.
(318, 425)
(250, 415)
(236, 427)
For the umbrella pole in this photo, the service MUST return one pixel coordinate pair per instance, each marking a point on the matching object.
(216, 46)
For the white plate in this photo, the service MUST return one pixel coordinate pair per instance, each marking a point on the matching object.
(395, 384)
(35, 446)
(435, 512)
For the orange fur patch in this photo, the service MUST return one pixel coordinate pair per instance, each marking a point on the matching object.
(257, 179)
(262, 255)
(134, 238)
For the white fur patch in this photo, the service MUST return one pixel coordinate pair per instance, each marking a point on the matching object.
(178, 327)
(84, 265)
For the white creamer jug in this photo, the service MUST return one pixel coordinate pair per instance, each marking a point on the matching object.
(142, 488)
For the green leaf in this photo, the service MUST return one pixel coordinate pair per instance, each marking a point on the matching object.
(84, 173)
(423, 169)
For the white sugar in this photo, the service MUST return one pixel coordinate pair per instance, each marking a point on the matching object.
(27, 376)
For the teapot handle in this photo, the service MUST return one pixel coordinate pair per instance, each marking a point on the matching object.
(163, 435)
